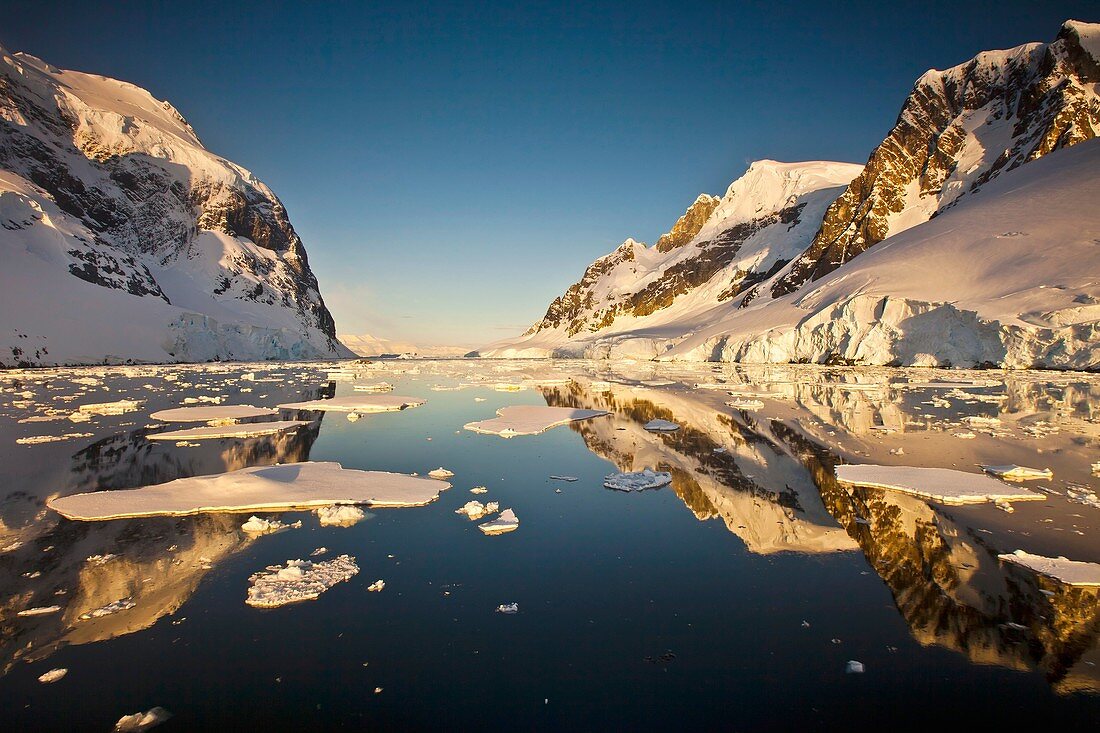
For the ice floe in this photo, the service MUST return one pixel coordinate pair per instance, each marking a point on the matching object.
(745, 404)
(1070, 572)
(340, 516)
(53, 675)
(570, 479)
(110, 609)
(138, 722)
(258, 525)
(477, 510)
(658, 425)
(232, 430)
(297, 485)
(212, 412)
(39, 611)
(440, 473)
(376, 586)
(38, 439)
(111, 408)
(361, 403)
(508, 608)
(1012, 472)
(854, 667)
(506, 522)
(943, 485)
(637, 480)
(298, 580)
(530, 419)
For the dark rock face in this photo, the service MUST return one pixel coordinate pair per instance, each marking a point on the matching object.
(1038, 95)
(146, 202)
(688, 225)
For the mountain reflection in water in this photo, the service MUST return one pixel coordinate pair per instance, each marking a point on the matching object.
(772, 484)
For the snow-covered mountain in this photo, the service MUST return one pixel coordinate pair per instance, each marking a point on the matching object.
(743, 287)
(368, 345)
(123, 238)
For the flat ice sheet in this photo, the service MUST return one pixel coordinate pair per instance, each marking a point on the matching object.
(506, 522)
(212, 412)
(530, 419)
(235, 430)
(1070, 572)
(292, 486)
(943, 485)
(369, 402)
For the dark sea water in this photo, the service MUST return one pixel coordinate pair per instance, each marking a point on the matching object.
(731, 600)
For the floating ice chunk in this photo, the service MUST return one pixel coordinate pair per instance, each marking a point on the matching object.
(361, 403)
(39, 611)
(376, 586)
(658, 425)
(111, 408)
(340, 516)
(354, 416)
(122, 604)
(53, 675)
(139, 722)
(1070, 572)
(212, 412)
(745, 404)
(1082, 495)
(440, 473)
(38, 439)
(943, 485)
(853, 667)
(570, 479)
(477, 510)
(506, 522)
(233, 430)
(257, 525)
(318, 551)
(637, 480)
(376, 387)
(259, 488)
(530, 419)
(479, 490)
(508, 608)
(298, 580)
(1012, 472)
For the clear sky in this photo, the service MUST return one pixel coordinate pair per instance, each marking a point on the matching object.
(452, 167)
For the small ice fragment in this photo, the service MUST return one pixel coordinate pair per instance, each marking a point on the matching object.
(39, 611)
(479, 490)
(506, 522)
(1019, 473)
(854, 667)
(376, 585)
(440, 473)
(139, 722)
(258, 526)
(122, 604)
(1004, 506)
(745, 404)
(318, 551)
(298, 580)
(476, 510)
(658, 425)
(353, 416)
(570, 479)
(53, 675)
(508, 608)
(343, 515)
(637, 480)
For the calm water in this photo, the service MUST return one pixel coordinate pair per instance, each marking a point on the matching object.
(731, 600)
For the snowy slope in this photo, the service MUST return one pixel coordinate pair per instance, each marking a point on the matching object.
(124, 239)
(957, 130)
(766, 218)
(1010, 277)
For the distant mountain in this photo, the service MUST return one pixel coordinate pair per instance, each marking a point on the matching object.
(367, 345)
(124, 239)
(743, 287)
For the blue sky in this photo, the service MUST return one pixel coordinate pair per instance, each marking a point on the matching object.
(452, 167)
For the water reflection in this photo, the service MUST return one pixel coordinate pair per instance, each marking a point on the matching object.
(156, 563)
(769, 477)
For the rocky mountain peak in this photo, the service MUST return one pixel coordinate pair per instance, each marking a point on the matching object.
(688, 225)
(958, 129)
